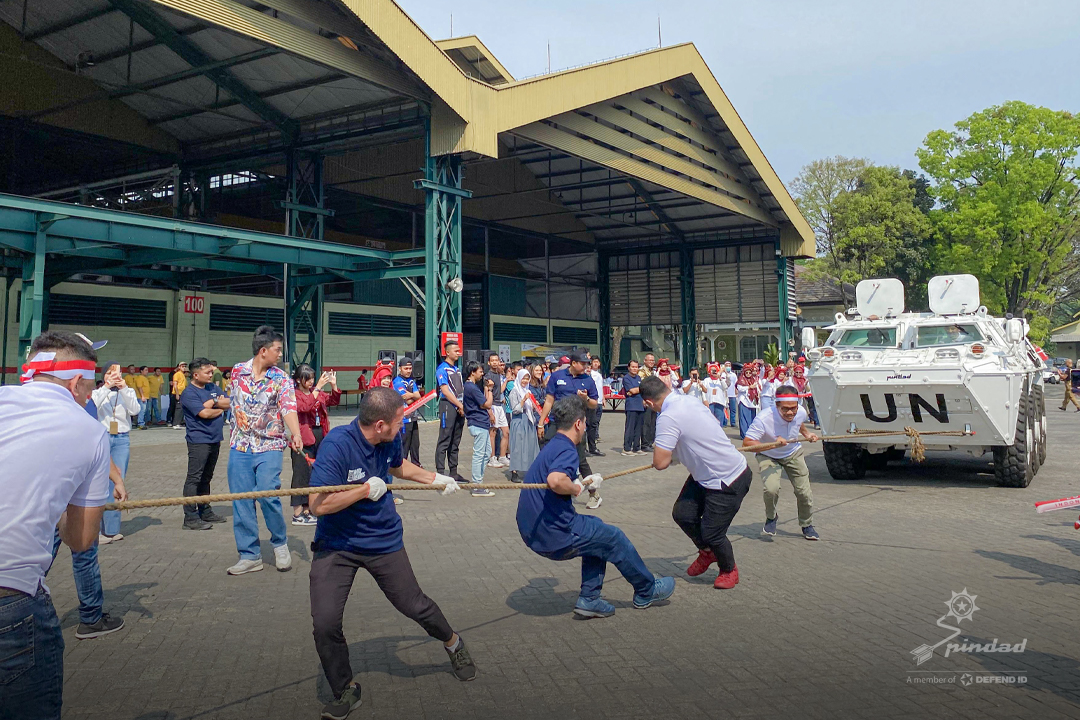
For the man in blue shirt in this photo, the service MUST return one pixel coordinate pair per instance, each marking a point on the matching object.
(550, 526)
(204, 406)
(570, 381)
(634, 410)
(410, 430)
(451, 411)
(361, 529)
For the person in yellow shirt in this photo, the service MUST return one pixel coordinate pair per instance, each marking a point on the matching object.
(153, 404)
(178, 385)
(141, 383)
(129, 376)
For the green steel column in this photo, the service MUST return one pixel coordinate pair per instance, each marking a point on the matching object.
(442, 245)
(689, 314)
(32, 314)
(605, 311)
(782, 297)
(305, 215)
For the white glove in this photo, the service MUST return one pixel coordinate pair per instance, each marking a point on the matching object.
(447, 483)
(376, 488)
(581, 487)
(593, 481)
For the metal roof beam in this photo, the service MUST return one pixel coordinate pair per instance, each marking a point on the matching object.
(125, 50)
(359, 275)
(194, 56)
(293, 87)
(67, 23)
(658, 211)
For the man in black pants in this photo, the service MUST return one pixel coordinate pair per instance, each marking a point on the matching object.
(204, 407)
(406, 388)
(361, 529)
(719, 478)
(451, 411)
(648, 433)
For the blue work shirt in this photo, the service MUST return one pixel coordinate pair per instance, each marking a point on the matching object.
(447, 374)
(633, 403)
(201, 431)
(475, 414)
(546, 519)
(562, 383)
(404, 385)
(365, 527)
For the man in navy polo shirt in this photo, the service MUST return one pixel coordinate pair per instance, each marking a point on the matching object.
(406, 388)
(361, 528)
(451, 411)
(551, 527)
(569, 381)
(204, 406)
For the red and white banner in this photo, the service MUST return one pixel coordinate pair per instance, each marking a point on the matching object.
(421, 402)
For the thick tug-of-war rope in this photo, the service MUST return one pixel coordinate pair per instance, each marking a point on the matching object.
(913, 435)
(918, 450)
(287, 492)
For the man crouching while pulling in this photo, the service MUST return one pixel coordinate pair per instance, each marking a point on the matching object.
(361, 529)
(551, 527)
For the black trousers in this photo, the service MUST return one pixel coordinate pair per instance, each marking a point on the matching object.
(592, 426)
(631, 437)
(410, 444)
(176, 412)
(301, 468)
(705, 515)
(331, 579)
(584, 468)
(450, 426)
(648, 432)
(201, 460)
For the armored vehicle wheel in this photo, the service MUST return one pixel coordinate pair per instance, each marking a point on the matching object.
(1013, 463)
(1040, 404)
(844, 460)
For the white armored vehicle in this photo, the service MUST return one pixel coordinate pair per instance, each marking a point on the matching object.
(955, 368)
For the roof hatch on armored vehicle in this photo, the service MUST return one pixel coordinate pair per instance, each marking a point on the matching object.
(882, 297)
(953, 294)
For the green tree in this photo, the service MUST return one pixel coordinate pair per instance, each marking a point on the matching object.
(818, 189)
(1008, 190)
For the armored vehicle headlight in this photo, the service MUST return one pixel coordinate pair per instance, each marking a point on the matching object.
(948, 354)
(978, 349)
(828, 352)
(813, 355)
(854, 355)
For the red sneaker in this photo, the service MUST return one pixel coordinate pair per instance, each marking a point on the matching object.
(705, 558)
(726, 581)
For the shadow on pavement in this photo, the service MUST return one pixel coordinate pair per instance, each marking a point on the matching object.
(1048, 572)
(1056, 674)
(1069, 544)
(119, 602)
(540, 599)
(140, 523)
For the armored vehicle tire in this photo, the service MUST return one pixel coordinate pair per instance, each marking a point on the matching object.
(1040, 404)
(1036, 432)
(844, 460)
(1013, 463)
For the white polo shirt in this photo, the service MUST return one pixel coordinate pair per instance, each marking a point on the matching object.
(769, 426)
(732, 381)
(689, 430)
(717, 389)
(53, 454)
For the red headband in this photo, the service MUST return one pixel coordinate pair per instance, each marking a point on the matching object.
(45, 362)
(790, 396)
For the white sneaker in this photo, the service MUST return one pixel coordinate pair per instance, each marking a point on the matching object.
(594, 502)
(282, 558)
(494, 462)
(106, 539)
(506, 461)
(628, 453)
(245, 566)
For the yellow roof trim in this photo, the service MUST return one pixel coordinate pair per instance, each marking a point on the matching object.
(467, 41)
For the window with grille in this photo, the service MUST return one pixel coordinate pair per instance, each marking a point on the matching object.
(343, 323)
(565, 335)
(89, 310)
(513, 332)
(245, 318)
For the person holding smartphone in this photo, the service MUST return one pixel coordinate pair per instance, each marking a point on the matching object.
(116, 403)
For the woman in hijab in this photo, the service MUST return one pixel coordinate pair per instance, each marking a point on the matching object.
(770, 385)
(524, 415)
(663, 370)
(748, 391)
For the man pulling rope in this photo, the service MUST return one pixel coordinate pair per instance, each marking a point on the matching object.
(361, 528)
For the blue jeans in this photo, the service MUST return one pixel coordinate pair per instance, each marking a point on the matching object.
(87, 572)
(746, 418)
(481, 452)
(141, 419)
(256, 471)
(32, 664)
(153, 410)
(120, 451)
(599, 544)
(718, 412)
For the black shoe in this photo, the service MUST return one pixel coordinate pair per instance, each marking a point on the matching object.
(514, 477)
(196, 523)
(210, 516)
(339, 709)
(107, 624)
(460, 480)
(596, 453)
(464, 668)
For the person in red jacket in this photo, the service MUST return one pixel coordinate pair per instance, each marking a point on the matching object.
(311, 405)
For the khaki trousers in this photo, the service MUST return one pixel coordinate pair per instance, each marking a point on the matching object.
(794, 466)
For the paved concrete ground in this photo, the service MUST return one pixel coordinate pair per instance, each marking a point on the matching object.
(813, 629)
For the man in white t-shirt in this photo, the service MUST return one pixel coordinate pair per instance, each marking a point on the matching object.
(784, 423)
(719, 479)
(732, 394)
(56, 477)
(694, 387)
(716, 393)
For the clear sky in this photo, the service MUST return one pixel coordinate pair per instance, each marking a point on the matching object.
(811, 78)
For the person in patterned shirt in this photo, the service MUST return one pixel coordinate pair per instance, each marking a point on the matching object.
(263, 402)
